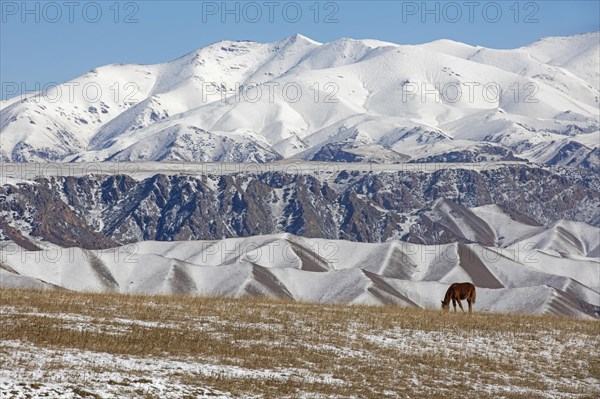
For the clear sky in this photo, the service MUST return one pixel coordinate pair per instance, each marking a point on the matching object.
(54, 41)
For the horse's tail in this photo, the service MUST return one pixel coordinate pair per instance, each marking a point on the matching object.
(474, 295)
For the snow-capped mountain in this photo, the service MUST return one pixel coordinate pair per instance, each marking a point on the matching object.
(347, 100)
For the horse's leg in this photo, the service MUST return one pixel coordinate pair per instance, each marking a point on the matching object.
(470, 305)
(460, 304)
(454, 304)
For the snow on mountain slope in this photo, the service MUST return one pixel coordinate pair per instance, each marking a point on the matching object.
(507, 226)
(578, 54)
(565, 63)
(565, 237)
(286, 266)
(494, 226)
(63, 120)
(461, 221)
(254, 102)
(567, 152)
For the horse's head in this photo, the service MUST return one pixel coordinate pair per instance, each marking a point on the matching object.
(445, 305)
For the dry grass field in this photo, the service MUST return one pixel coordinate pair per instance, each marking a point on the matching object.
(64, 344)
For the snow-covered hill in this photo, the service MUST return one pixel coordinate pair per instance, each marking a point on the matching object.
(287, 266)
(347, 100)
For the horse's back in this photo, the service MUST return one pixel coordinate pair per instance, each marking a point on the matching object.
(465, 286)
(466, 290)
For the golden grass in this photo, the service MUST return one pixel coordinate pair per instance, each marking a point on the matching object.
(315, 349)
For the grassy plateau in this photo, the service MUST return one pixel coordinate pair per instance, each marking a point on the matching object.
(66, 344)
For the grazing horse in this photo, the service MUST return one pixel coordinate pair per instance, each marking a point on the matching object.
(458, 292)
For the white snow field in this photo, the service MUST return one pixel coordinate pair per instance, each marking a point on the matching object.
(254, 102)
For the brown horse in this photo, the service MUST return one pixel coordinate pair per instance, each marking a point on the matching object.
(458, 292)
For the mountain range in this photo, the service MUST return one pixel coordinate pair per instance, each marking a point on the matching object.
(492, 205)
(346, 100)
(361, 171)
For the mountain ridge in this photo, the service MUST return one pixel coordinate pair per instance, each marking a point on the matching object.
(352, 273)
(492, 206)
(354, 93)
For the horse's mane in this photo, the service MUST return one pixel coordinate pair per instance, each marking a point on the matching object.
(448, 295)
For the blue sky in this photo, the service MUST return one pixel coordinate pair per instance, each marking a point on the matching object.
(54, 41)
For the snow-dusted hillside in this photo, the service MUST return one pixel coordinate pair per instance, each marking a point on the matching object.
(286, 266)
(347, 100)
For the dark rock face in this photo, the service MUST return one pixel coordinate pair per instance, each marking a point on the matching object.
(350, 152)
(592, 161)
(568, 154)
(574, 154)
(101, 211)
(44, 213)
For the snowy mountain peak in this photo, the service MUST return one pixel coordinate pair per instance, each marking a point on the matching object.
(297, 37)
